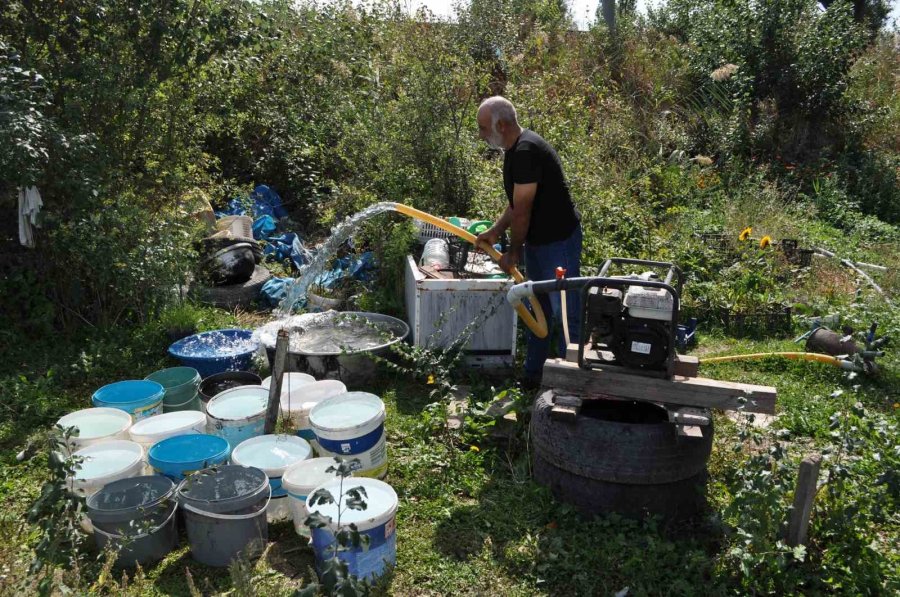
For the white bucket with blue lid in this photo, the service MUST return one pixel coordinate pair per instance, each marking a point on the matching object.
(299, 402)
(377, 521)
(238, 414)
(299, 481)
(273, 454)
(351, 426)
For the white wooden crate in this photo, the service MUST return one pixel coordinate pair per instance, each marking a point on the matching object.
(438, 311)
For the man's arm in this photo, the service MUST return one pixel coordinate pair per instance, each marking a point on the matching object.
(523, 200)
(493, 234)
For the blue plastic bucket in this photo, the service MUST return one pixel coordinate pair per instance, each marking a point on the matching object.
(216, 351)
(273, 454)
(138, 397)
(180, 455)
(351, 426)
(238, 414)
(377, 521)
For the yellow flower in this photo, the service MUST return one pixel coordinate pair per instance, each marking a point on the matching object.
(745, 233)
(897, 405)
(430, 380)
(474, 449)
(766, 240)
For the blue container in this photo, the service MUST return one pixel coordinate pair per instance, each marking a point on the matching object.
(139, 398)
(377, 521)
(179, 456)
(216, 351)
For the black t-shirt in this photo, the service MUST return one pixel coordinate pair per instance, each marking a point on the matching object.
(553, 215)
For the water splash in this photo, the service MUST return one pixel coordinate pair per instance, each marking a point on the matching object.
(339, 235)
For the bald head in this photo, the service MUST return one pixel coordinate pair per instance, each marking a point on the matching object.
(499, 109)
(498, 123)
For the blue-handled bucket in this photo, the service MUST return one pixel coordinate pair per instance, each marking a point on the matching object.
(238, 414)
(180, 455)
(138, 397)
(351, 426)
(377, 522)
(273, 454)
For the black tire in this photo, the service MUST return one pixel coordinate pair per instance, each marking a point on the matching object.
(672, 501)
(639, 453)
(237, 295)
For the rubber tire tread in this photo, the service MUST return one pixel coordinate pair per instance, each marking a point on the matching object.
(672, 501)
(237, 295)
(642, 454)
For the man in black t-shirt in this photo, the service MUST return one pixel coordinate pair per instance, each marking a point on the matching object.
(545, 227)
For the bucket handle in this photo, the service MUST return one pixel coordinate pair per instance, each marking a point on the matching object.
(109, 535)
(194, 510)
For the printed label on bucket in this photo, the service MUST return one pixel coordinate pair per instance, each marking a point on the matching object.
(147, 411)
(363, 563)
(372, 463)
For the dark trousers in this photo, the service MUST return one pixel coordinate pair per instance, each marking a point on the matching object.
(541, 262)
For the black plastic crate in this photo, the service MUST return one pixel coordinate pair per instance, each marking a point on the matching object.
(775, 321)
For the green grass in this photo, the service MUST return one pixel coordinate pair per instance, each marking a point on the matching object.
(471, 522)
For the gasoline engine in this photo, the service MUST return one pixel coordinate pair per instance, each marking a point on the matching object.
(630, 320)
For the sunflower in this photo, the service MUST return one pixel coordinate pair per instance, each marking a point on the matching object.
(765, 242)
(745, 233)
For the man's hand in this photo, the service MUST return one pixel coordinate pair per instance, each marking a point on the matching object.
(490, 236)
(509, 260)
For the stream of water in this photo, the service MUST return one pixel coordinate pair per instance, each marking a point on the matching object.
(312, 270)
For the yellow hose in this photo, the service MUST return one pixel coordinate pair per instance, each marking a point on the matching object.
(536, 323)
(798, 356)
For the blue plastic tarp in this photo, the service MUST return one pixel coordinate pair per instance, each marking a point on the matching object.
(360, 268)
(274, 291)
(267, 202)
(286, 246)
(264, 227)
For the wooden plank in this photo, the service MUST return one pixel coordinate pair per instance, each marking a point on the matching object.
(565, 408)
(685, 365)
(804, 497)
(278, 367)
(567, 377)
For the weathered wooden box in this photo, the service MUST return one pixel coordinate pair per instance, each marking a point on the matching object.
(439, 311)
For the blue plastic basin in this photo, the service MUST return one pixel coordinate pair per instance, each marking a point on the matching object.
(216, 351)
(178, 456)
(139, 398)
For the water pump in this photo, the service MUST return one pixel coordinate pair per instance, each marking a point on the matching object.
(628, 321)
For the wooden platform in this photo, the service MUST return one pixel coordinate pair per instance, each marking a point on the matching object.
(611, 382)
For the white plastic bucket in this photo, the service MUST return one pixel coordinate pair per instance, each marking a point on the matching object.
(299, 481)
(290, 381)
(377, 521)
(96, 425)
(351, 426)
(298, 404)
(155, 429)
(273, 454)
(106, 462)
(238, 414)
